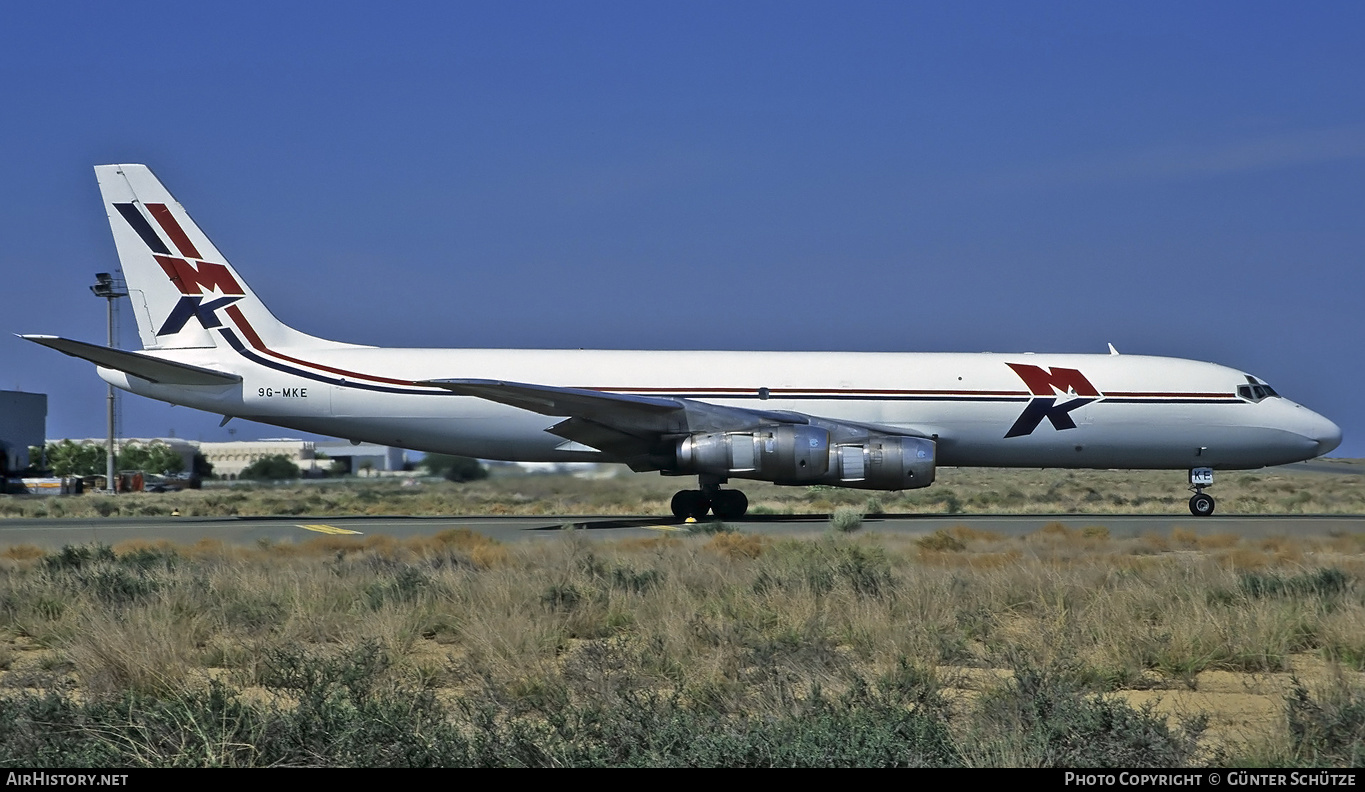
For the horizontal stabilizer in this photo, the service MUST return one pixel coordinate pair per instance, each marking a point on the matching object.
(138, 364)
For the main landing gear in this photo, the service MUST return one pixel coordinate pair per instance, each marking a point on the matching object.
(1201, 505)
(725, 504)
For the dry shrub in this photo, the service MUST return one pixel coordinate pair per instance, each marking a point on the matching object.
(1247, 558)
(969, 534)
(1096, 532)
(1155, 542)
(25, 552)
(1351, 565)
(383, 546)
(1342, 637)
(1219, 541)
(312, 548)
(1053, 531)
(208, 548)
(1347, 543)
(993, 560)
(738, 545)
(648, 543)
(146, 651)
(1125, 562)
(750, 622)
(969, 560)
(940, 542)
(1284, 548)
(846, 519)
(482, 550)
(1184, 537)
(159, 546)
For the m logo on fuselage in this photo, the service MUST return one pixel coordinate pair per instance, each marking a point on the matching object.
(1049, 387)
(194, 279)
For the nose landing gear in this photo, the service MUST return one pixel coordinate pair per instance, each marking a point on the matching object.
(1201, 505)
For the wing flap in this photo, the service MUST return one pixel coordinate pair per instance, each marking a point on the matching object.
(152, 369)
(604, 438)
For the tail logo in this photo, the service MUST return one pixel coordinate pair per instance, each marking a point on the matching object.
(195, 308)
(1057, 391)
(191, 279)
(193, 282)
(194, 277)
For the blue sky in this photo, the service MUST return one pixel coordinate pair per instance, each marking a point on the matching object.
(1175, 178)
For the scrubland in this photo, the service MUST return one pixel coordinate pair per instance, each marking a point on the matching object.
(1067, 647)
(1288, 490)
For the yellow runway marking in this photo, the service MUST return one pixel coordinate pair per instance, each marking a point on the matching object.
(328, 529)
(662, 528)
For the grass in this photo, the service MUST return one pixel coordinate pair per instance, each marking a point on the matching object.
(846, 519)
(962, 648)
(956, 491)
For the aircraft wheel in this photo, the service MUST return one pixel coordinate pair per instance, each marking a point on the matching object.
(1201, 505)
(681, 505)
(689, 503)
(730, 504)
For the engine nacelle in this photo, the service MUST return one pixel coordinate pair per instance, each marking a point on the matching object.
(883, 462)
(786, 454)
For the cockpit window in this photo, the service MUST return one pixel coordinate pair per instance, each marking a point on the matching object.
(1256, 391)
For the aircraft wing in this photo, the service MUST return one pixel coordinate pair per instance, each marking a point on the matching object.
(630, 426)
(153, 369)
(548, 400)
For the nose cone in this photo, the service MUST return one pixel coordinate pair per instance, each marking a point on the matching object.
(1325, 433)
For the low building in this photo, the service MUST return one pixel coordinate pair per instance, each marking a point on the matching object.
(23, 423)
(231, 458)
(360, 457)
(314, 458)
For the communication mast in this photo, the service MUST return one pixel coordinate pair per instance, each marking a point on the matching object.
(110, 287)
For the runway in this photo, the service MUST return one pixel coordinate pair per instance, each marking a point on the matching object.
(54, 533)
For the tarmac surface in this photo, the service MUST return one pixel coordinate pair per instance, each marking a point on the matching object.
(54, 533)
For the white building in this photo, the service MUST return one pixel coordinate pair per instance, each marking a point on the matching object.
(231, 458)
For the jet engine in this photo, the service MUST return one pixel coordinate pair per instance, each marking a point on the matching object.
(883, 462)
(807, 454)
(786, 454)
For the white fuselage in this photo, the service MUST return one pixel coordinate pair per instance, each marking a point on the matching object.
(713, 414)
(1079, 411)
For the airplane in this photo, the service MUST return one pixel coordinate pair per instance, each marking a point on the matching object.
(866, 420)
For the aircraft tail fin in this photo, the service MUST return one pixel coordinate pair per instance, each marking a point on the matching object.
(184, 293)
